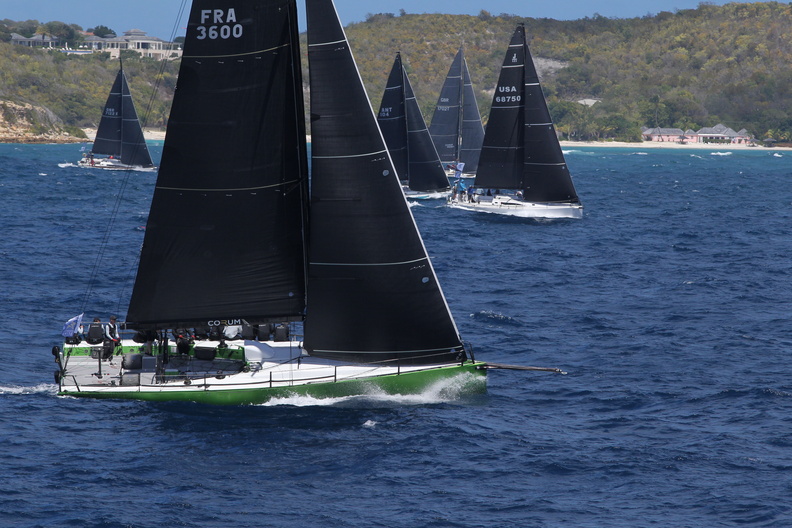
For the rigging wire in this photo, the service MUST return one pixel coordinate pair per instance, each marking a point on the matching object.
(125, 182)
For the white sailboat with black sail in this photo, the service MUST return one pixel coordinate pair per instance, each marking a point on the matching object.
(522, 171)
(456, 123)
(235, 238)
(409, 142)
(119, 143)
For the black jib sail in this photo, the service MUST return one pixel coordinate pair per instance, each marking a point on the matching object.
(521, 149)
(456, 124)
(119, 133)
(224, 238)
(372, 292)
(405, 132)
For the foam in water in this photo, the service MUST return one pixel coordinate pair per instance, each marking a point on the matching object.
(42, 388)
(443, 391)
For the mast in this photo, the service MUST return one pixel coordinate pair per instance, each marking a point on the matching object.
(225, 235)
(372, 292)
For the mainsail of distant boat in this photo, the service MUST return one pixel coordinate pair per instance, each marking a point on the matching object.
(456, 124)
(521, 152)
(119, 135)
(236, 247)
(409, 143)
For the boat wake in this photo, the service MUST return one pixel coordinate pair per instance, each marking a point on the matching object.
(65, 165)
(721, 153)
(448, 390)
(43, 388)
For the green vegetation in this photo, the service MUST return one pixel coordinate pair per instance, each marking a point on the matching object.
(688, 69)
(75, 87)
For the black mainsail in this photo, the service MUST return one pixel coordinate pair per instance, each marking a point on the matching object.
(521, 150)
(404, 129)
(456, 124)
(225, 235)
(119, 133)
(372, 292)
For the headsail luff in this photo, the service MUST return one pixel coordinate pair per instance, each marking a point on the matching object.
(224, 238)
(372, 292)
(119, 133)
(521, 149)
(407, 136)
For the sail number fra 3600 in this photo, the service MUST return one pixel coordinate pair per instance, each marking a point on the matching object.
(218, 23)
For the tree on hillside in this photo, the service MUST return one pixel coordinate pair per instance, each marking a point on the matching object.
(102, 31)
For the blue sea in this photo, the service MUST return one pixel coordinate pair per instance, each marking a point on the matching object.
(667, 305)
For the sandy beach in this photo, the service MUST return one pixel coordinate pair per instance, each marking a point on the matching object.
(150, 134)
(159, 135)
(666, 145)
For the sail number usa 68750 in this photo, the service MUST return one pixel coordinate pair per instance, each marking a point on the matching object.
(218, 24)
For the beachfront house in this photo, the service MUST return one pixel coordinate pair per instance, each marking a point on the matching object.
(722, 134)
(672, 135)
(718, 134)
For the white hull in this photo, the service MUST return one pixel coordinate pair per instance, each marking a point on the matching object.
(110, 164)
(509, 206)
(420, 195)
(254, 370)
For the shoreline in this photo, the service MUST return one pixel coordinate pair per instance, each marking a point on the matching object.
(666, 145)
(159, 135)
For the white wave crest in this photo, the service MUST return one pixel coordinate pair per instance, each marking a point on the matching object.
(442, 391)
(42, 388)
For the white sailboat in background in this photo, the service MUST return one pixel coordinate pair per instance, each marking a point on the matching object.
(522, 171)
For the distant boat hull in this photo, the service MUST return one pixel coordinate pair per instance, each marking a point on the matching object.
(509, 206)
(110, 164)
(250, 373)
(425, 195)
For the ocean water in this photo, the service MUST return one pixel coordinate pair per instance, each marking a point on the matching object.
(668, 305)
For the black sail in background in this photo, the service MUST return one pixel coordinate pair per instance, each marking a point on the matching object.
(521, 149)
(119, 133)
(405, 132)
(392, 119)
(446, 124)
(224, 238)
(456, 124)
(372, 292)
(502, 155)
(472, 131)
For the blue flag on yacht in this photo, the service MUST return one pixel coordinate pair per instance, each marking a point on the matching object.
(71, 326)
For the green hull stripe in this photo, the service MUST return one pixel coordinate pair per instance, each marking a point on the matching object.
(405, 383)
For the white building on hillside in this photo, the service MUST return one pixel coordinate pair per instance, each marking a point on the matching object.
(137, 41)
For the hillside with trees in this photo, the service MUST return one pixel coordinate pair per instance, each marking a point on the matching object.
(687, 69)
